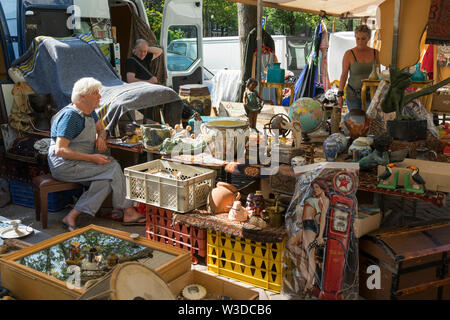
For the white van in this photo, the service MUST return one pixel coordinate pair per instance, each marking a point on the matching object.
(224, 52)
(22, 21)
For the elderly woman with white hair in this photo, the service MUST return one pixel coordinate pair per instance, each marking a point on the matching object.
(78, 140)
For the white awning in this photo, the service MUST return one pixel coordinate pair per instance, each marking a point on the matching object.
(336, 8)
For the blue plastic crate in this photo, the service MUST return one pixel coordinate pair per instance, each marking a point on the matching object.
(22, 194)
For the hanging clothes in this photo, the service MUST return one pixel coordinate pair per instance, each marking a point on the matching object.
(427, 61)
(250, 49)
(305, 85)
(324, 44)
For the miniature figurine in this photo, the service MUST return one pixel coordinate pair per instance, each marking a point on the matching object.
(252, 102)
(380, 156)
(255, 203)
(387, 173)
(237, 212)
(112, 260)
(419, 183)
(130, 135)
(75, 255)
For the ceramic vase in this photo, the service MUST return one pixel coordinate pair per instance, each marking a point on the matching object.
(357, 123)
(222, 197)
(334, 145)
(363, 147)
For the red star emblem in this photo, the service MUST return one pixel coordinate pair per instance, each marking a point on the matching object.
(343, 182)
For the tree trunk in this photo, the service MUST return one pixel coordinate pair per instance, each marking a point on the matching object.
(350, 25)
(206, 23)
(247, 21)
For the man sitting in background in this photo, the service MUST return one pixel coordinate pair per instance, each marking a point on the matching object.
(137, 67)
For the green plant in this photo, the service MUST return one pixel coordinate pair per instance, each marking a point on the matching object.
(395, 99)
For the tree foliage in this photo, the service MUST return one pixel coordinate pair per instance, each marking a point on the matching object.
(223, 15)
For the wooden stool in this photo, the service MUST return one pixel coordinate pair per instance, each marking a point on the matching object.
(42, 186)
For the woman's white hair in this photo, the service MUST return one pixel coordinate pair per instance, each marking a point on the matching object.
(83, 87)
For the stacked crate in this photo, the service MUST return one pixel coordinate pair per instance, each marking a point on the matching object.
(161, 227)
(256, 263)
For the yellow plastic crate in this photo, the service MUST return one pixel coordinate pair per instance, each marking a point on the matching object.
(256, 263)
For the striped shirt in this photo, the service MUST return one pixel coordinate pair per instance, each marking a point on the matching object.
(69, 124)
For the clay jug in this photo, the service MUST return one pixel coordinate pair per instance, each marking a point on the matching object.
(222, 197)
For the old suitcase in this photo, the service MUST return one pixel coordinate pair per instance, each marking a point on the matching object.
(413, 263)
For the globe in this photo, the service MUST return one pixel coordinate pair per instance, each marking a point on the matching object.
(308, 112)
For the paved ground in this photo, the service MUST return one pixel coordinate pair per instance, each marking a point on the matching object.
(424, 212)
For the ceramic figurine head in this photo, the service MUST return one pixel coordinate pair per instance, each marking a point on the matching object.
(251, 84)
(382, 142)
(250, 203)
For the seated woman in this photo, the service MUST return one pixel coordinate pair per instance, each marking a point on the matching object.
(75, 155)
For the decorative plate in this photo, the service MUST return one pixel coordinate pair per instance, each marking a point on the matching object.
(194, 292)
(10, 233)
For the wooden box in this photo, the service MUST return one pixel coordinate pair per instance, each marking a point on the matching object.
(40, 271)
(441, 103)
(214, 286)
(413, 263)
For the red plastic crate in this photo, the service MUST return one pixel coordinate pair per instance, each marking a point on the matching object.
(160, 227)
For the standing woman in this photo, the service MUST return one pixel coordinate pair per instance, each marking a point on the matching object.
(358, 61)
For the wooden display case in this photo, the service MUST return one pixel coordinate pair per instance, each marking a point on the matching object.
(41, 271)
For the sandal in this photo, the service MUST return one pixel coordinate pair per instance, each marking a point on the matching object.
(69, 226)
(135, 222)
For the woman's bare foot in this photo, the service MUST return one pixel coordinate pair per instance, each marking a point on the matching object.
(70, 219)
(131, 215)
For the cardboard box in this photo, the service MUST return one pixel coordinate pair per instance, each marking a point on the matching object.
(441, 102)
(436, 174)
(214, 286)
(364, 224)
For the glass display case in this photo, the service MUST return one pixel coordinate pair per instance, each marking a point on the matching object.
(60, 267)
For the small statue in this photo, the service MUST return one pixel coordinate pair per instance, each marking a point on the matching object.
(112, 260)
(380, 156)
(237, 212)
(75, 254)
(252, 102)
(130, 135)
(255, 203)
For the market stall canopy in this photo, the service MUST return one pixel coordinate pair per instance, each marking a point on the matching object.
(337, 8)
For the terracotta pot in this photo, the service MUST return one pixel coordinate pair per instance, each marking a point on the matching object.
(222, 197)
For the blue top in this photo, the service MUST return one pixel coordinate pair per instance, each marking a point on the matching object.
(69, 124)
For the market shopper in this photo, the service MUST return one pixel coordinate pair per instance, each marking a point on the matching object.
(358, 61)
(75, 155)
(137, 67)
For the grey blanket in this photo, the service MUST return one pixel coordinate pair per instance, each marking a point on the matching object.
(53, 65)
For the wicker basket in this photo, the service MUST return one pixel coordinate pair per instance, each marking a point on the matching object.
(184, 194)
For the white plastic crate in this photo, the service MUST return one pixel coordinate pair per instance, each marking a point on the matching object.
(182, 195)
